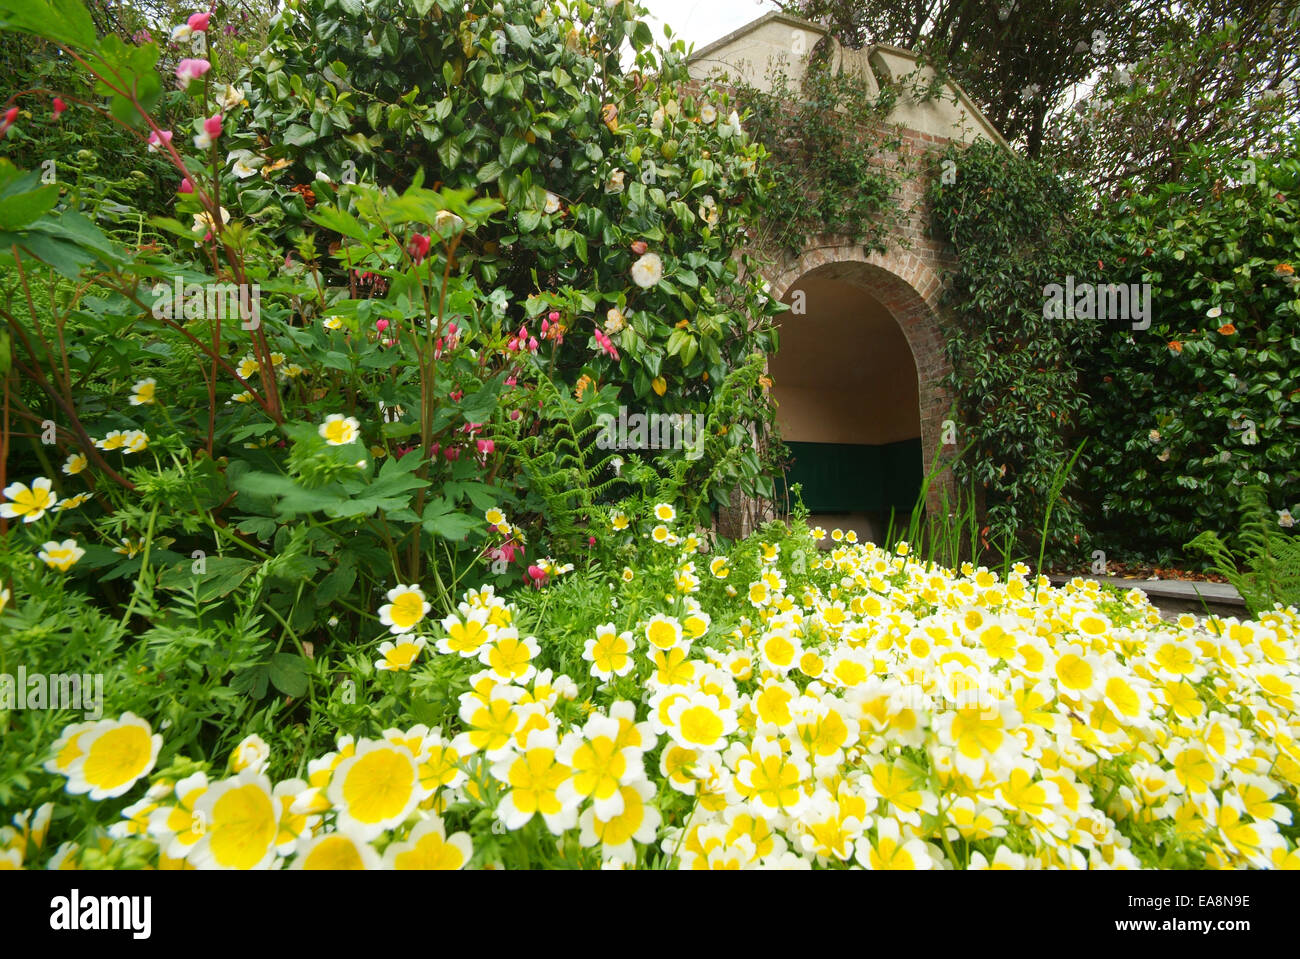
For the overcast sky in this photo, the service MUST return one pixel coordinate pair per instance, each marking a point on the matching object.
(700, 22)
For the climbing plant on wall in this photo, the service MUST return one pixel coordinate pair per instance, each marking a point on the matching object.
(826, 145)
(1015, 363)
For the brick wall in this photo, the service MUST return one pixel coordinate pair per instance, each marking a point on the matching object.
(908, 279)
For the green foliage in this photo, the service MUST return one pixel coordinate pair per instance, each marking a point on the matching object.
(1217, 76)
(528, 103)
(1015, 371)
(1205, 403)
(1270, 557)
(831, 158)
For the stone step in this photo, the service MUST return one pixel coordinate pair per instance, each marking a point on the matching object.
(1174, 596)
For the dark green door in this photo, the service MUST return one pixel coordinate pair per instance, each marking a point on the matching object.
(856, 478)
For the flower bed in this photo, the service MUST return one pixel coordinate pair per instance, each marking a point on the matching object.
(780, 706)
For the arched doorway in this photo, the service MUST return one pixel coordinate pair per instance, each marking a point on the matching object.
(848, 400)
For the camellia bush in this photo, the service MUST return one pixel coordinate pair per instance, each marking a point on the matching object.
(774, 706)
(1205, 403)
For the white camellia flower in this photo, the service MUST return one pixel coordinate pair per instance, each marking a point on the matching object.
(242, 170)
(181, 33)
(615, 182)
(1285, 519)
(657, 119)
(552, 203)
(708, 113)
(203, 221)
(231, 96)
(647, 271)
(708, 210)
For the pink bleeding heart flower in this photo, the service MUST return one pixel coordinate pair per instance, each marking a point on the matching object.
(10, 116)
(554, 316)
(515, 414)
(186, 186)
(212, 126)
(419, 247)
(511, 381)
(591, 541)
(158, 139)
(434, 451)
(59, 106)
(381, 325)
(191, 69)
(537, 575)
(451, 329)
(456, 395)
(532, 344)
(198, 22)
(452, 453)
(486, 446)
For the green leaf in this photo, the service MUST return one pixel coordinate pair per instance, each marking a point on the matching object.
(442, 519)
(519, 35)
(64, 21)
(20, 209)
(298, 135)
(289, 673)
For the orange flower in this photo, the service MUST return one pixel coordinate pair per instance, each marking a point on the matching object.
(1285, 269)
(1176, 346)
(1227, 329)
(583, 382)
(765, 382)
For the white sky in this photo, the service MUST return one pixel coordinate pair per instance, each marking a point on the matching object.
(700, 22)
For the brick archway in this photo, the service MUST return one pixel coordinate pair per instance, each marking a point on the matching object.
(907, 284)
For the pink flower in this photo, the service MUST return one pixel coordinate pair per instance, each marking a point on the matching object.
(451, 329)
(434, 450)
(554, 316)
(198, 22)
(532, 345)
(515, 414)
(537, 575)
(419, 247)
(158, 139)
(486, 446)
(10, 116)
(212, 126)
(186, 186)
(639, 247)
(402, 451)
(452, 453)
(511, 381)
(59, 107)
(591, 541)
(381, 325)
(189, 69)
(456, 395)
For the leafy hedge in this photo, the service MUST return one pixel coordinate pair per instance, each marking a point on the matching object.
(1205, 403)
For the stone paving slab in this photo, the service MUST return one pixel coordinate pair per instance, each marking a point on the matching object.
(1171, 588)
